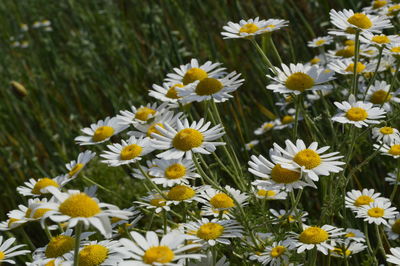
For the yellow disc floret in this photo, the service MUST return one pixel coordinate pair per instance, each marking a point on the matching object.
(307, 158)
(376, 212)
(379, 97)
(74, 170)
(181, 192)
(381, 39)
(2, 255)
(346, 52)
(360, 67)
(283, 175)
(175, 171)
(360, 20)
(287, 119)
(315, 60)
(210, 231)
(144, 113)
(51, 263)
(222, 201)
(363, 200)
(386, 130)
(59, 245)
(320, 42)
(172, 93)
(340, 252)
(130, 152)
(208, 86)
(356, 114)
(378, 4)
(102, 133)
(266, 193)
(40, 212)
(394, 150)
(194, 74)
(93, 255)
(159, 255)
(396, 226)
(277, 251)
(313, 235)
(157, 202)
(187, 139)
(249, 28)
(79, 205)
(42, 183)
(299, 81)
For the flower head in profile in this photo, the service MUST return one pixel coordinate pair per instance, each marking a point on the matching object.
(100, 132)
(40, 187)
(346, 251)
(379, 40)
(142, 115)
(392, 149)
(74, 167)
(320, 41)
(346, 66)
(276, 253)
(386, 134)
(356, 199)
(393, 228)
(252, 27)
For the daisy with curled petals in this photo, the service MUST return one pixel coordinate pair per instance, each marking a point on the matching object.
(154, 201)
(379, 93)
(377, 212)
(74, 167)
(217, 89)
(386, 134)
(251, 27)
(193, 71)
(77, 207)
(354, 235)
(392, 178)
(323, 238)
(127, 152)
(294, 216)
(250, 145)
(393, 49)
(209, 233)
(393, 149)
(393, 228)
(276, 254)
(346, 251)
(141, 115)
(346, 66)
(320, 41)
(18, 216)
(150, 250)
(38, 188)
(265, 127)
(355, 199)
(269, 194)
(172, 172)
(184, 193)
(394, 257)
(358, 113)
(166, 93)
(100, 132)
(379, 40)
(299, 78)
(309, 160)
(186, 139)
(7, 252)
(349, 22)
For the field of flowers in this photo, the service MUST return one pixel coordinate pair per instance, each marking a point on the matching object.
(200, 132)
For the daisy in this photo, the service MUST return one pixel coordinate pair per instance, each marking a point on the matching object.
(323, 238)
(318, 60)
(193, 71)
(299, 78)
(7, 252)
(154, 201)
(377, 212)
(250, 145)
(346, 66)
(340, 251)
(386, 134)
(358, 113)
(276, 254)
(393, 149)
(141, 115)
(173, 172)
(74, 167)
(378, 40)
(208, 260)
(38, 188)
(217, 89)
(265, 127)
(349, 22)
(379, 94)
(393, 228)
(186, 139)
(170, 250)
(100, 132)
(320, 41)
(353, 235)
(127, 152)
(209, 233)
(252, 27)
(76, 207)
(394, 257)
(18, 216)
(376, 5)
(309, 160)
(132, 220)
(294, 216)
(355, 199)
(392, 10)
(184, 193)
(261, 193)
(392, 179)
(392, 49)
(166, 93)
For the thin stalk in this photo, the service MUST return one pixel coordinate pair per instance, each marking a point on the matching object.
(214, 255)
(380, 245)
(27, 239)
(372, 80)
(165, 221)
(394, 78)
(149, 180)
(275, 50)
(263, 56)
(296, 118)
(356, 58)
(313, 259)
(395, 185)
(47, 231)
(78, 231)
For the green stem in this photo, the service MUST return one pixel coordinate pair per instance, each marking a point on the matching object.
(263, 55)
(165, 221)
(394, 78)
(356, 58)
(27, 239)
(372, 80)
(296, 118)
(150, 181)
(396, 184)
(380, 245)
(275, 50)
(78, 231)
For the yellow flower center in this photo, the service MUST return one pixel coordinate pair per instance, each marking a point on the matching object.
(42, 183)
(210, 231)
(38, 213)
(313, 235)
(93, 255)
(268, 126)
(307, 158)
(299, 82)
(75, 169)
(287, 119)
(59, 245)
(315, 60)
(350, 30)
(339, 251)
(395, 149)
(172, 93)
(283, 175)
(79, 205)
(396, 226)
(393, 10)
(376, 212)
(277, 251)
(380, 96)
(395, 49)
(153, 129)
(356, 114)
(194, 74)
(2, 255)
(386, 130)
(11, 221)
(222, 201)
(187, 139)
(102, 133)
(360, 67)
(175, 171)
(363, 200)
(51, 263)
(360, 20)
(158, 202)
(266, 193)
(378, 4)
(349, 42)
(144, 113)
(159, 254)
(208, 86)
(249, 28)
(346, 52)
(350, 234)
(131, 151)
(180, 192)
(381, 39)
(320, 42)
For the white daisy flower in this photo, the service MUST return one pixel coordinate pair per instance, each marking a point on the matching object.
(349, 22)
(346, 66)
(7, 252)
(379, 40)
(170, 250)
(376, 6)
(392, 178)
(74, 167)
(294, 216)
(38, 188)
(209, 233)
(166, 93)
(392, 149)
(217, 89)
(208, 260)
(394, 257)
(320, 41)
(265, 127)
(219, 201)
(193, 71)
(353, 235)
(342, 251)
(173, 172)
(377, 212)
(318, 60)
(386, 134)
(251, 27)
(392, 49)
(379, 94)
(187, 139)
(355, 199)
(299, 78)
(391, 11)
(127, 152)
(154, 201)
(141, 115)
(273, 194)
(184, 193)
(358, 113)
(393, 228)
(276, 254)
(76, 207)
(250, 145)
(309, 160)
(323, 238)
(100, 132)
